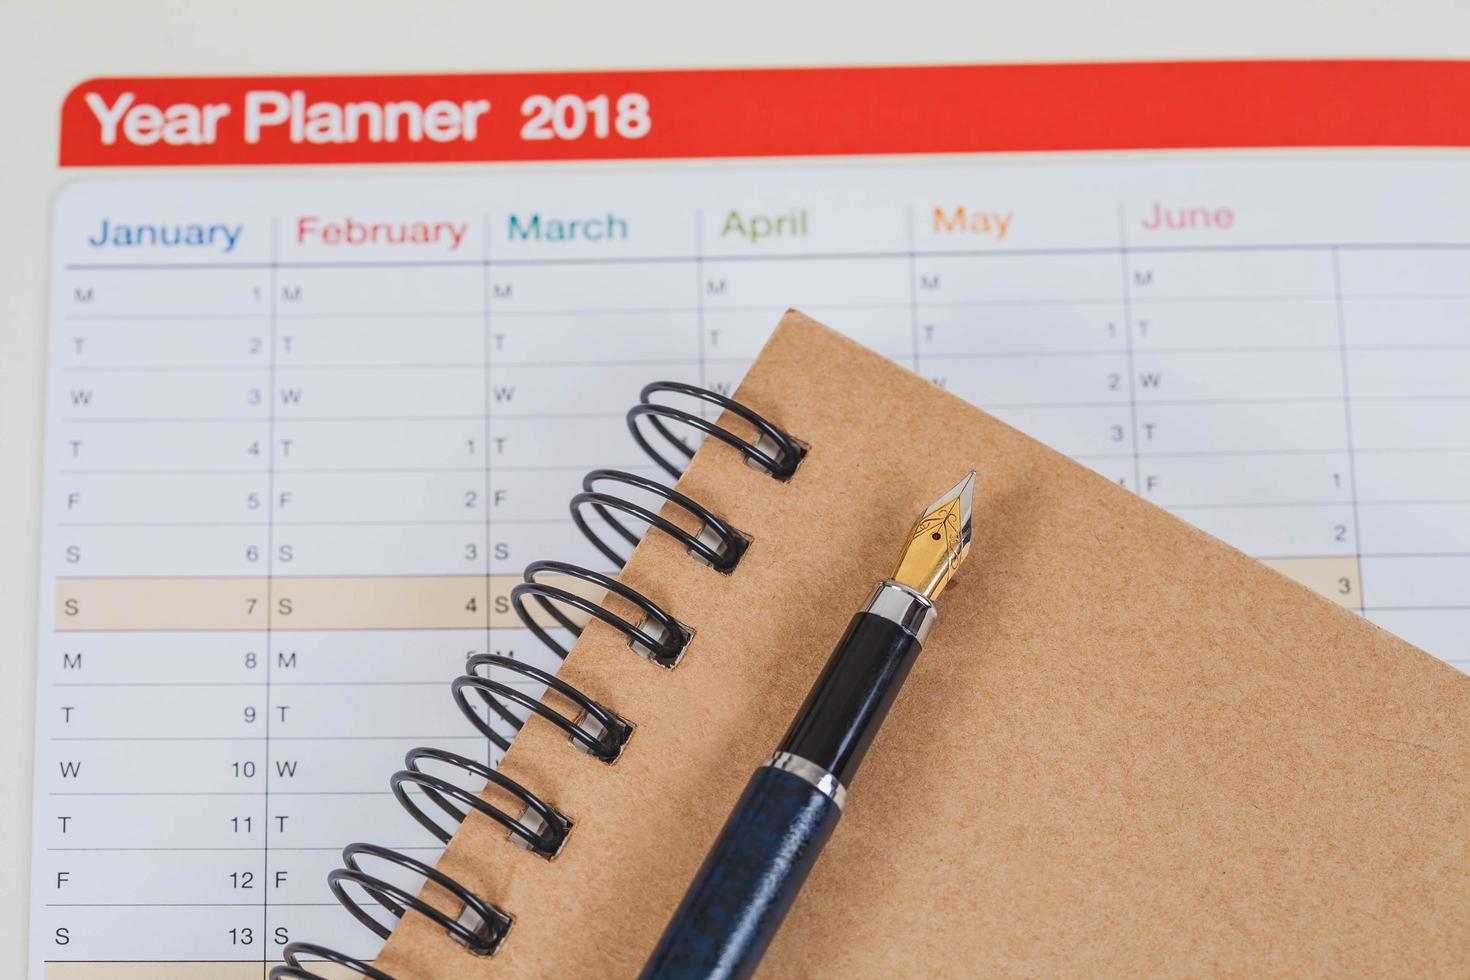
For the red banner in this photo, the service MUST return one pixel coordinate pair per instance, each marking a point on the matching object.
(788, 112)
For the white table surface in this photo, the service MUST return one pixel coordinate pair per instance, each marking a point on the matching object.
(46, 46)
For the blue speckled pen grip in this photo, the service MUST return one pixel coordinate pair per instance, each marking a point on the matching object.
(737, 901)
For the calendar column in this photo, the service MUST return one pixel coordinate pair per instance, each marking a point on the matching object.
(843, 264)
(150, 778)
(1237, 350)
(1020, 310)
(378, 549)
(589, 300)
(1405, 315)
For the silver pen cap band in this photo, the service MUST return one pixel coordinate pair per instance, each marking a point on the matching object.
(903, 607)
(821, 780)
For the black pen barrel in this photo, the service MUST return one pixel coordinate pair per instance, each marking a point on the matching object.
(850, 699)
(769, 844)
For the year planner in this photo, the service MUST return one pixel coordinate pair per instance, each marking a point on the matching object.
(303, 431)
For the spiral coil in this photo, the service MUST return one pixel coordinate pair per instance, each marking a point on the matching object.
(599, 731)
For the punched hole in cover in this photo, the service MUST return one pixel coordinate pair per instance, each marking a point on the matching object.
(771, 447)
(767, 445)
(597, 730)
(533, 822)
(477, 925)
(712, 539)
(660, 633)
(537, 825)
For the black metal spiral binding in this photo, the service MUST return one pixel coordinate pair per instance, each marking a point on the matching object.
(663, 648)
(546, 842)
(722, 555)
(775, 451)
(481, 934)
(596, 729)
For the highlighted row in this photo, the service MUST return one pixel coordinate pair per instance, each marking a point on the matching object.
(419, 602)
(422, 602)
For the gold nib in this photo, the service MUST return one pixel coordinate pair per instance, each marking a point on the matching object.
(939, 541)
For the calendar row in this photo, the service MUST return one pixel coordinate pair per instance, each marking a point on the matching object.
(221, 942)
(1089, 432)
(338, 659)
(357, 602)
(249, 768)
(237, 823)
(655, 337)
(241, 713)
(207, 877)
(469, 602)
(332, 551)
(469, 391)
(155, 589)
(470, 498)
(508, 498)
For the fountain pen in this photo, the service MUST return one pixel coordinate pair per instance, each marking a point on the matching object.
(789, 808)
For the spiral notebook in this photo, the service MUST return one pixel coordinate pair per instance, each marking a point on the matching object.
(1126, 747)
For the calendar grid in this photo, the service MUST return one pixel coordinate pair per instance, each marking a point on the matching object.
(1247, 375)
(703, 362)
